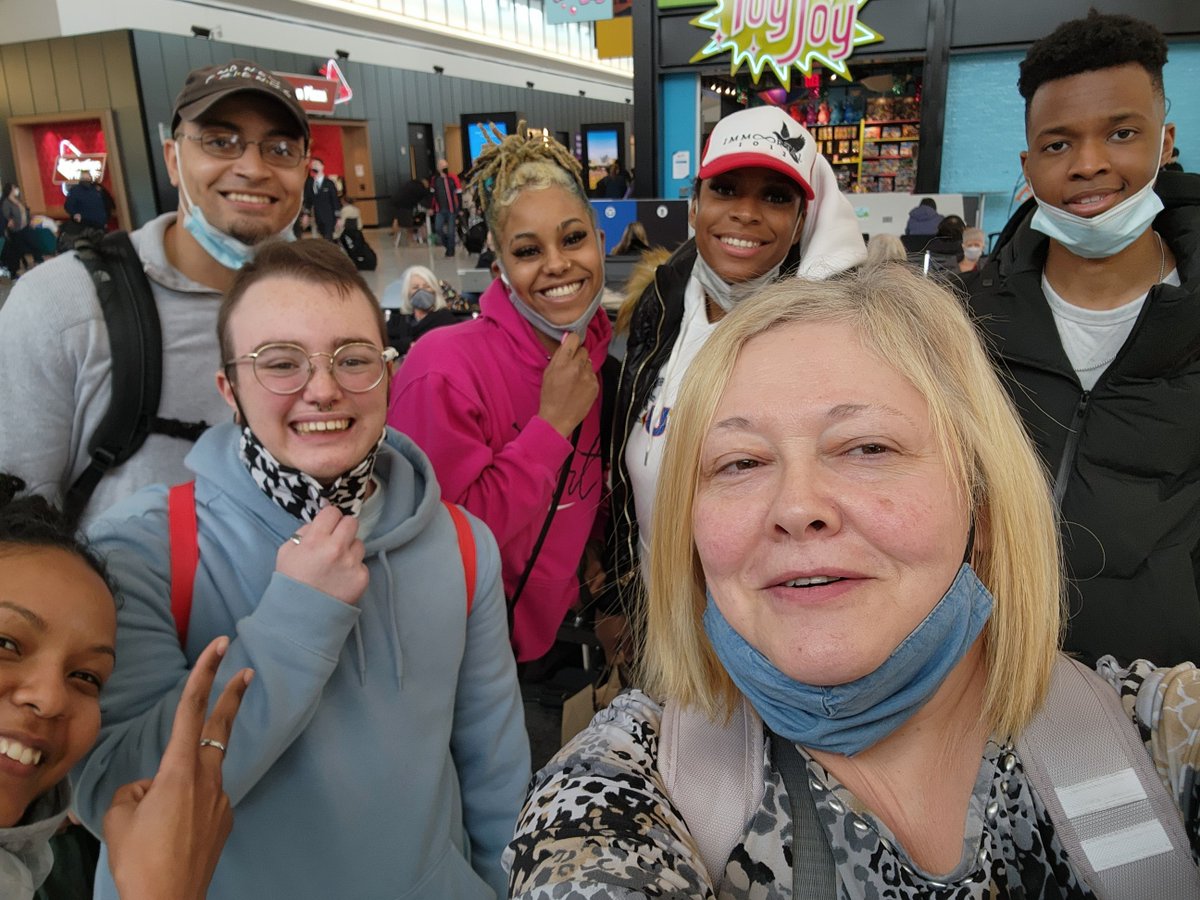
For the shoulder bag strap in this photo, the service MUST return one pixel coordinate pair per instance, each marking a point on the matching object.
(466, 548)
(713, 775)
(1109, 807)
(814, 872)
(541, 538)
(185, 554)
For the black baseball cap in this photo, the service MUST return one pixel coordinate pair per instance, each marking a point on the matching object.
(205, 87)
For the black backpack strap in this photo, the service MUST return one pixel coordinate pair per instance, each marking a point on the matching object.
(541, 538)
(135, 339)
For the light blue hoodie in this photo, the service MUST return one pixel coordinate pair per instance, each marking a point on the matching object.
(380, 751)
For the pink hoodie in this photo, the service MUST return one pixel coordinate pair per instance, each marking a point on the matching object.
(468, 396)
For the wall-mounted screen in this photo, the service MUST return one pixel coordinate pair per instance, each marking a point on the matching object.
(603, 144)
(476, 131)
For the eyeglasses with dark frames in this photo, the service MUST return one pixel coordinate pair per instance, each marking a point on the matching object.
(282, 153)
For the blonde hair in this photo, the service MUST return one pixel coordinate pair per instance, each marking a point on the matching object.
(510, 164)
(426, 275)
(884, 248)
(921, 330)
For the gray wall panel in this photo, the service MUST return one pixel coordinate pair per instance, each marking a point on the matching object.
(68, 83)
(41, 76)
(16, 74)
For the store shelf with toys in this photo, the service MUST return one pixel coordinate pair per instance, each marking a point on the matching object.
(840, 145)
(891, 138)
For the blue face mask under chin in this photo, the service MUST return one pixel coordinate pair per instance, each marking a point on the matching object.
(848, 718)
(224, 248)
(1107, 234)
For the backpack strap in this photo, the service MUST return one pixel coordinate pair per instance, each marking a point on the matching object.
(713, 775)
(466, 548)
(185, 553)
(1109, 807)
(814, 871)
(135, 340)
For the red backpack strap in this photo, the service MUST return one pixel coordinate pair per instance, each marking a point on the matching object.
(466, 547)
(185, 553)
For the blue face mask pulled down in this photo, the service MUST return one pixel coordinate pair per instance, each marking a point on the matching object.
(224, 248)
(848, 718)
(1104, 235)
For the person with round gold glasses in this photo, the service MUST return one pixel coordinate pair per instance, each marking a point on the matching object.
(385, 746)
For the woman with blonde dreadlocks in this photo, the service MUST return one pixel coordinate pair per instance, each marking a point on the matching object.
(507, 406)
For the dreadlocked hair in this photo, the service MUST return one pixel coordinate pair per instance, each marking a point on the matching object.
(510, 164)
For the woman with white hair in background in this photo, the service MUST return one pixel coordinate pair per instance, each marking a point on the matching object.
(400, 310)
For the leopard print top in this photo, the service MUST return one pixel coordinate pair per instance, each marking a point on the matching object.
(597, 823)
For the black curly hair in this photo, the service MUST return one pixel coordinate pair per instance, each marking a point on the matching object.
(30, 521)
(1099, 41)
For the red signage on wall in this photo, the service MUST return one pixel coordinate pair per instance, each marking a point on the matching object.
(316, 95)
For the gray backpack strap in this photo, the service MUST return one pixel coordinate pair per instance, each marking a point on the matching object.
(713, 776)
(1110, 810)
(814, 871)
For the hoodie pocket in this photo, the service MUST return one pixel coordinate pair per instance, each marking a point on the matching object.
(450, 876)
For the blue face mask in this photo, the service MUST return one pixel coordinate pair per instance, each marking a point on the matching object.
(224, 248)
(1104, 235)
(848, 718)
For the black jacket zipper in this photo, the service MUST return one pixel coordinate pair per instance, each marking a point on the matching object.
(1071, 450)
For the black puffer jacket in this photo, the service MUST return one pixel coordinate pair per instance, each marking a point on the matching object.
(1125, 456)
(657, 318)
(653, 330)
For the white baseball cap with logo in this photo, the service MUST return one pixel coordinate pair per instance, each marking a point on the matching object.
(764, 137)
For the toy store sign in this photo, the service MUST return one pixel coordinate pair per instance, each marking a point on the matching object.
(785, 35)
(316, 95)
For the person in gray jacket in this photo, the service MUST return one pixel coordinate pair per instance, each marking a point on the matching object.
(55, 357)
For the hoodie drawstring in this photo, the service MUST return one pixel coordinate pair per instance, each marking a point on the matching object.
(394, 622)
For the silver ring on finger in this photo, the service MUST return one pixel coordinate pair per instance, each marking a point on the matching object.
(295, 538)
(212, 742)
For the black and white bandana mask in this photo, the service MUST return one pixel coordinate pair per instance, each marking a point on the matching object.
(300, 494)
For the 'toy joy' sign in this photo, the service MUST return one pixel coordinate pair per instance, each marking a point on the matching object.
(785, 34)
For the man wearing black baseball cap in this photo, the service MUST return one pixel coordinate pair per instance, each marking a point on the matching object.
(239, 145)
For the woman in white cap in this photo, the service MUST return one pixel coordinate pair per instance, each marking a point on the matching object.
(765, 206)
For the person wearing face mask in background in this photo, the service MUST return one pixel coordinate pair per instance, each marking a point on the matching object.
(973, 243)
(20, 240)
(321, 199)
(507, 406)
(240, 140)
(1089, 301)
(765, 206)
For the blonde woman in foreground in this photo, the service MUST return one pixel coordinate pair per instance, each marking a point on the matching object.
(854, 610)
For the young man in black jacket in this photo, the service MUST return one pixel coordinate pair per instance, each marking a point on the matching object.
(1090, 303)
